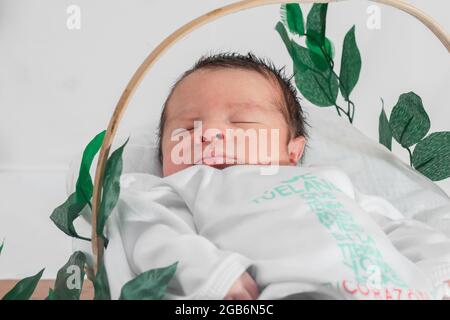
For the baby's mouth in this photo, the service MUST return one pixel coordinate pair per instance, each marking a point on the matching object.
(221, 166)
(219, 162)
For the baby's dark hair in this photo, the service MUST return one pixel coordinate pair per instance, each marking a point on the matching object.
(292, 111)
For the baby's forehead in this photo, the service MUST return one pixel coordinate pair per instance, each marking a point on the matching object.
(227, 88)
(231, 107)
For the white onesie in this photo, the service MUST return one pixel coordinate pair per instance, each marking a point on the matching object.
(302, 233)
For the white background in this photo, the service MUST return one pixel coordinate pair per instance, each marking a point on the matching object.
(58, 88)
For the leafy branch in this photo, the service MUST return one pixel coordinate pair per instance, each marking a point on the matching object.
(319, 83)
(149, 285)
(409, 125)
(315, 75)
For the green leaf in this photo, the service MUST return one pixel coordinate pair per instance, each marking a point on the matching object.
(431, 156)
(84, 185)
(149, 285)
(111, 187)
(319, 87)
(384, 131)
(285, 37)
(69, 280)
(315, 88)
(322, 56)
(350, 64)
(24, 289)
(1, 247)
(64, 216)
(51, 295)
(292, 16)
(101, 286)
(316, 23)
(409, 121)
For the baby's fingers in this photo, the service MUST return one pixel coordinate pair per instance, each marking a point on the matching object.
(251, 287)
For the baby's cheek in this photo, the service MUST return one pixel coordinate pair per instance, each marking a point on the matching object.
(278, 146)
(170, 167)
(177, 155)
(270, 148)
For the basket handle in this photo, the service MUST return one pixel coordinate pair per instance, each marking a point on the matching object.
(97, 243)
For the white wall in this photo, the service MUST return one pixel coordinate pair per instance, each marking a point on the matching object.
(58, 88)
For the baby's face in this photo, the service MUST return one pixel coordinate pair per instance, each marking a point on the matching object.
(238, 113)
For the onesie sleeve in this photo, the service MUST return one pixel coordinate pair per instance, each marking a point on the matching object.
(158, 229)
(427, 247)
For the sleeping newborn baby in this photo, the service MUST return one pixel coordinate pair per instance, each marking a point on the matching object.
(245, 221)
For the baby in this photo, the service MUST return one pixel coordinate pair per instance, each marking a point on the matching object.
(241, 230)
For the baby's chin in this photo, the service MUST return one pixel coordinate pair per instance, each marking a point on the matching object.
(220, 165)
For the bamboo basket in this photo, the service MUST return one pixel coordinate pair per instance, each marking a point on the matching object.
(97, 243)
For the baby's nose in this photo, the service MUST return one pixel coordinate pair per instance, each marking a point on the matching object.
(217, 136)
(212, 131)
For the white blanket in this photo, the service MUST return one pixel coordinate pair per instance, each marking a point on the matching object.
(300, 233)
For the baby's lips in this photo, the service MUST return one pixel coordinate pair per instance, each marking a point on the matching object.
(216, 160)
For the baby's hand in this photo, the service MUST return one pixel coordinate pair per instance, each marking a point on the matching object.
(244, 288)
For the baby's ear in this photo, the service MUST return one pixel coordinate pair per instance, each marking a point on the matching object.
(295, 149)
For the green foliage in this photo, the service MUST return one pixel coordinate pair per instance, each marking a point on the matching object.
(286, 40)
(70, 278)
(409, 121)
(64, 215)
(292, 16)
(51, 295)
(384, 130)
(316, 23)
(149, 285)
(431, 156)
(84, 185)
(24, 288)
(314, 66)
(111, 188)
(409, 124)
(350, 64)
(321, 58)
(319, 87)
(101, 286)
(317, 81)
